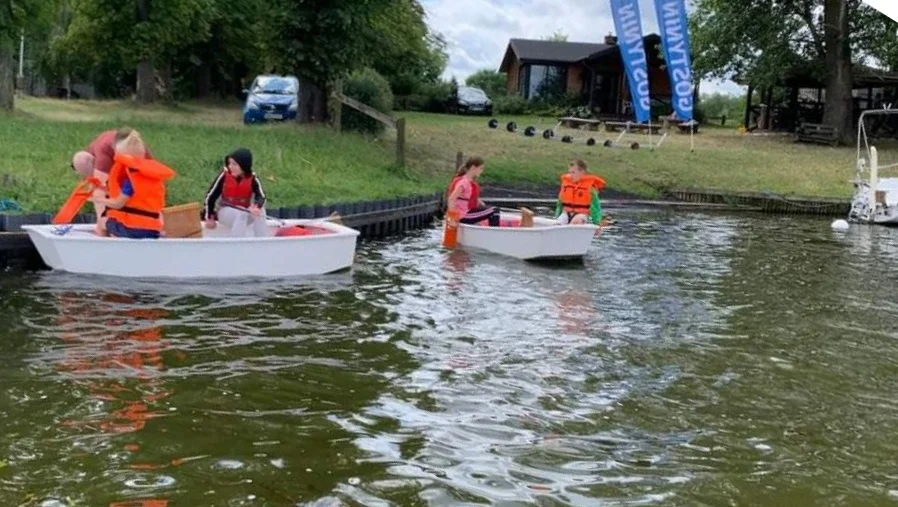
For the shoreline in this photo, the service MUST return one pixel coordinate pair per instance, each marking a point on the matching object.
(525, 195)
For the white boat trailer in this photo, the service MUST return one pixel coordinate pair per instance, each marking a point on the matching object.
(875, 199)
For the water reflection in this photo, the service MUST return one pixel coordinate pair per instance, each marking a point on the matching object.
(575, 312)
(116, 359)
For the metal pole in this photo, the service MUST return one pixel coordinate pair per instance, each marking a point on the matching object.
(22, 55)
(874, 179)
(692, 135)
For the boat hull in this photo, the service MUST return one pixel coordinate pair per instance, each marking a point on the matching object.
(544, 241)
(212, 256)
(878, 213)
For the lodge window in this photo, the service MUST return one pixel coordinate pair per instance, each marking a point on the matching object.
(543, 81)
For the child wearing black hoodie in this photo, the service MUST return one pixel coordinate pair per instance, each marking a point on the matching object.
(236, 198)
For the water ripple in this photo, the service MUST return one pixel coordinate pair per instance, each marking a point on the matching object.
(692, 360)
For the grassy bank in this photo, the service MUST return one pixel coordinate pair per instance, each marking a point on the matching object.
(314, 165)
(723, 158)
(297, 165)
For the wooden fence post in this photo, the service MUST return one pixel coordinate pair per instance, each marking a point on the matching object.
(400, 142)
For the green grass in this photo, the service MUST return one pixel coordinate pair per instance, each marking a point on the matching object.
(297, 165)
(306, 165)
(723, 159)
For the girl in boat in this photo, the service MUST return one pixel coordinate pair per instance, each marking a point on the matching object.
(135, 193)
(578, 199)
(464, 196)
(236, 198)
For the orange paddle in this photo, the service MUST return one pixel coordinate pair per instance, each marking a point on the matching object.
(76, 201)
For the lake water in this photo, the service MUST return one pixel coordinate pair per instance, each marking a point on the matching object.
(692, 359)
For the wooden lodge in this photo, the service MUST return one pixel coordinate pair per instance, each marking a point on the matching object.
(798, 99)
(595, 73)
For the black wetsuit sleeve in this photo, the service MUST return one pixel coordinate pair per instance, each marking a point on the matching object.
(258, 193)
(212, 197)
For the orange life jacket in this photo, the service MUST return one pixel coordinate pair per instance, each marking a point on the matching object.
(236, 192)
(576, 197)
(143, 210)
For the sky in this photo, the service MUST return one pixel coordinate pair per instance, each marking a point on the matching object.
(477, 31)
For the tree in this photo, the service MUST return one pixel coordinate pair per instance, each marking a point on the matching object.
(839, 107)
(160, 30)
(763, 42)
(15, 17)
(322, 41)
(404, 49)
(236, 46)
(556, 36)
(453, 95)
(490, 81)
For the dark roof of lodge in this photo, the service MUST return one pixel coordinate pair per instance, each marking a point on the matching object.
(534, 51)
(555, 51)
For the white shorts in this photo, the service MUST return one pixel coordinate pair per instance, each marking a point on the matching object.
(565, 218)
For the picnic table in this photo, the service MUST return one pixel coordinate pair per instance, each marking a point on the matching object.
(685, 127)
(818, 133)
(626, 126)
(575, 123)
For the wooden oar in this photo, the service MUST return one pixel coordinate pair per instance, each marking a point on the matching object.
(334, 217)
(267, 217)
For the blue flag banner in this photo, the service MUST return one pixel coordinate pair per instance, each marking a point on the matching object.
(628, 24)
(675, 40)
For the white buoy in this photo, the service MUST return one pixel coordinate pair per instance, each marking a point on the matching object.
(840, 225)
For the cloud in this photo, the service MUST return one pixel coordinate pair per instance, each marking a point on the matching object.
(477, 31)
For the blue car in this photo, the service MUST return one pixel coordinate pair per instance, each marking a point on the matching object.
(271, 98)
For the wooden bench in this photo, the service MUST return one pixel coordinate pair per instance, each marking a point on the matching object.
(575, 123)
(617, 126)
(818, 133)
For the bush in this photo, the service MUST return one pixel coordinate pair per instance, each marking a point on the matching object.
(582, 112)
(511, 104)
(559, 105)
(493, 83)
(698, 113)
(369, 88)
(659, 109)
(434, 98)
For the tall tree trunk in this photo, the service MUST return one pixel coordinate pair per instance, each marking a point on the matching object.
(146, 71)
(146, 82)
(304, 108)
(319, 105)
(312, 102)
(839, 107)
(165, 88)
(203, 81)
(7, 77)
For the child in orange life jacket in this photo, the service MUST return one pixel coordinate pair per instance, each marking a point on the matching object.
(238, 194)
(464, 195)
(135, 195)
(578, 199)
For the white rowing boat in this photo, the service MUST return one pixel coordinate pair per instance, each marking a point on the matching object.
(77, 249)
(544, 241)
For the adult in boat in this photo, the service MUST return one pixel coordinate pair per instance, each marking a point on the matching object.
(97, 160)
(135, 194)
(578, 199)
(464, 195)
(236, 198)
